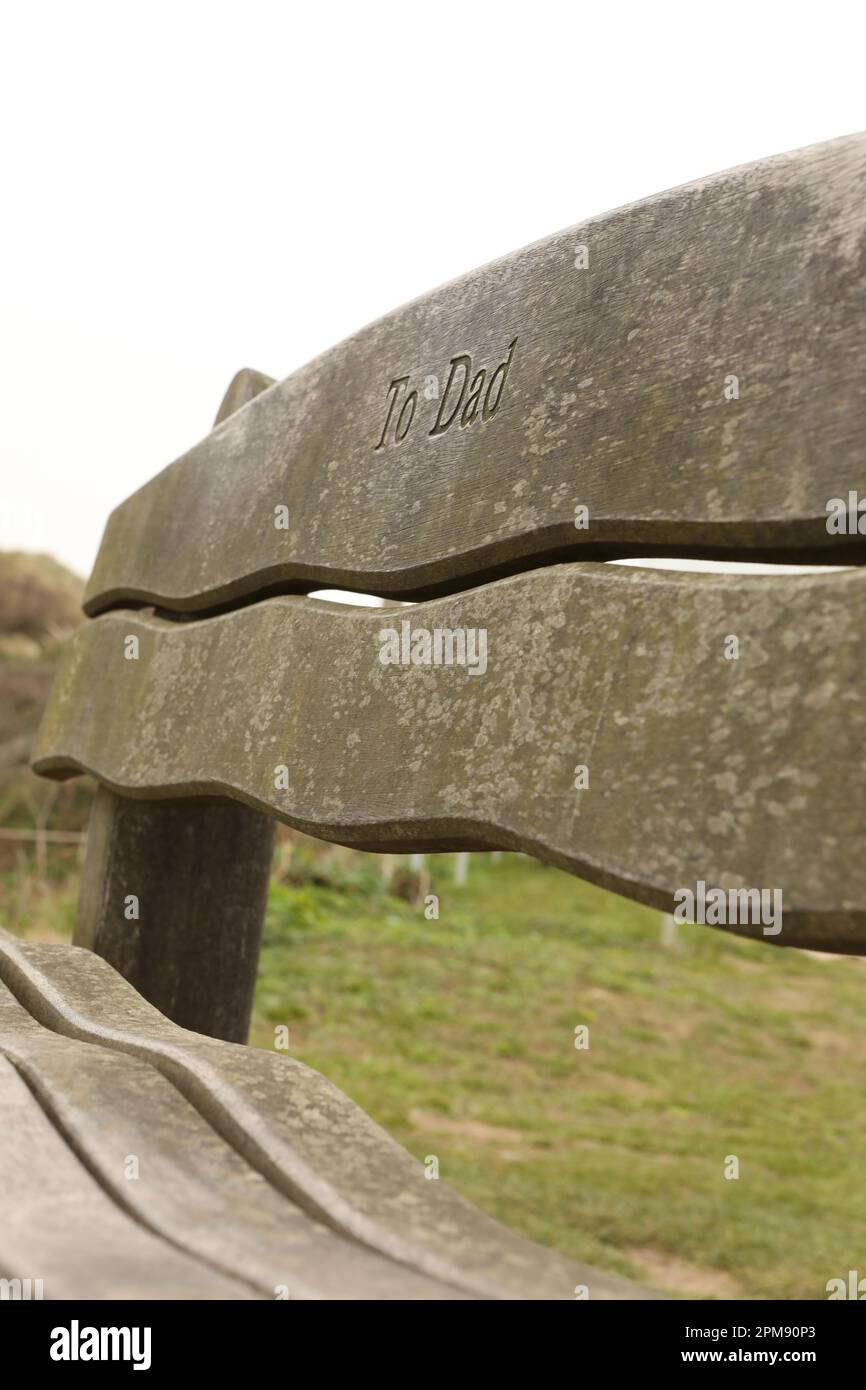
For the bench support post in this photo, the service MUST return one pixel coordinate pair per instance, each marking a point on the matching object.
(173, 896)
(173, 893)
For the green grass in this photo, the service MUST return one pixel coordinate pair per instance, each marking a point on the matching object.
(36, 907)
(458, 1036)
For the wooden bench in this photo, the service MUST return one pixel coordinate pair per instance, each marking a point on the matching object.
(680, 377)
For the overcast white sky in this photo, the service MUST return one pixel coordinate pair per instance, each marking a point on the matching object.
(190, 188)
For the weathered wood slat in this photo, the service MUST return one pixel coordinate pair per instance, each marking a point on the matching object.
(189, 1187)
(300, 1133)
(739, 773)
(57, 1225)
(604, 386)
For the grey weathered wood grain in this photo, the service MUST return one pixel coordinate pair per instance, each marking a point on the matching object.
(244, 386)
(200, 875)
(192, 1189)
(300, 1133)
(614, 399)
(57, 1224)
(741, 773)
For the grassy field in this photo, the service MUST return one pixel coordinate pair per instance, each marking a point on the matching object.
(458, 1036)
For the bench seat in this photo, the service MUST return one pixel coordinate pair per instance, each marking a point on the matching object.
(140, 1160)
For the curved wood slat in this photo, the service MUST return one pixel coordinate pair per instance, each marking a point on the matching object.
(300, 1133)
(613, 381)
(701, 768)
(57, 1224)
(193, 1190)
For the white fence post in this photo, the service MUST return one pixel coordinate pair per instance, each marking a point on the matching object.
(668, 937)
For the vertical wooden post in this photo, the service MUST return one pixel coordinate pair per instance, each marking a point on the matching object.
(173, 896)
(173, 892)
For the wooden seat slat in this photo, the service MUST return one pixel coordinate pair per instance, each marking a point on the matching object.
(190, 1187)
(57, 1224)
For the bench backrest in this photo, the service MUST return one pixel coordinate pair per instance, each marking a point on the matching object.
(681, 377)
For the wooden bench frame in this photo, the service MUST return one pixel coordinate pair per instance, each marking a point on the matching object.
(682, 376)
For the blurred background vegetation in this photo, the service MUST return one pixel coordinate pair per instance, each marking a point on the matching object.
(457, 1034)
